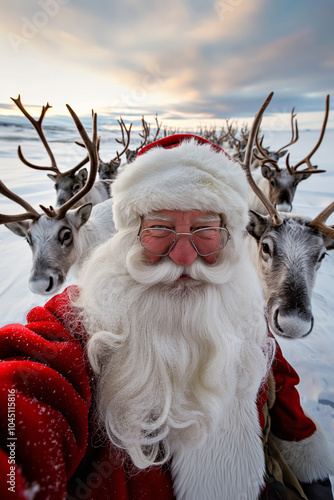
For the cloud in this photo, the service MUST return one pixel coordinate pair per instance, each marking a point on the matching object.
(209, 59)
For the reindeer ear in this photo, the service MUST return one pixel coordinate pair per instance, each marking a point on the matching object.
(267, 171)
(79, 216)
(19, 228)
(52, 177)
(303, 177)
(83, 174)
(282, 153)
(257, 224)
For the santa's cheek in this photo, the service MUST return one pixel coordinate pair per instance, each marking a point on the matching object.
(210, 259)
(153, 259)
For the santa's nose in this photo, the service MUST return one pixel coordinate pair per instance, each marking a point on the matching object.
(183, 253)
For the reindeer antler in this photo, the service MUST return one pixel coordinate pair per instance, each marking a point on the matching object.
(318, 222)
(30, 213)
(245, 132)
(38, 126)
(294, 132)
(222, 136)
(123, 141)
(237, 141)
(274, 215)
(263, 155)
(145, 134)
(155, 138)
(92, 149)
(230, 128)
(263, 152)
(311, 169)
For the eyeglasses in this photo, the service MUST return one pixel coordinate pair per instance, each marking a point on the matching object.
(206, 241)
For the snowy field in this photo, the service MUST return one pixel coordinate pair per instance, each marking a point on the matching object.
(312, 357)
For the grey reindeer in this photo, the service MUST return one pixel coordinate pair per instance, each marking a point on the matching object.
(69, 183)
(280, 184)
(287, 250)
(108, 170)
(131, 154)
(61, 238)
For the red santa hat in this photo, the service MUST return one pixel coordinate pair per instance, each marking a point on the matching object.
(181, 172)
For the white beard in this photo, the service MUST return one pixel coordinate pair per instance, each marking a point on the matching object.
(175, 359)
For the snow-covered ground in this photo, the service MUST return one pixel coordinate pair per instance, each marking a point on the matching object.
(312, 357)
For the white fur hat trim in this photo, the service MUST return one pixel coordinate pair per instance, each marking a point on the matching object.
(191, 176)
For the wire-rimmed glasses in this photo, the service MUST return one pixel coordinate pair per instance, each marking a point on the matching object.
(206, 241)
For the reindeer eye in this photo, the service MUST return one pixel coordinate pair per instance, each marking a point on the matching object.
(76, 188)
(265, 248)
(321, 258)
(28, 240)
(272, 183)
(65, 236)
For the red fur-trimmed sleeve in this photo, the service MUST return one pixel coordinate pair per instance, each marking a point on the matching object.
(44, 404)
(298, 436)
(288, 420)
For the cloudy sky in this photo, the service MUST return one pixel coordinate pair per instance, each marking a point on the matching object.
(183, 59)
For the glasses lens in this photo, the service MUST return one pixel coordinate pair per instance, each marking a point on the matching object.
(210, 240)
(157, 241)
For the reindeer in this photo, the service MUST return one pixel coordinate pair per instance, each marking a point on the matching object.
(108, 170)
(132, 154)
(157, 131)
(237, 147)
(222, 137)
(61, 238)
(287, 251)
(288, 257)
(279, 184)
(274, 155)
(68, 183)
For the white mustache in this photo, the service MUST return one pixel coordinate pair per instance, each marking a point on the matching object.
(166, 271)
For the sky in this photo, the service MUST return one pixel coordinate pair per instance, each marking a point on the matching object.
(189, 61)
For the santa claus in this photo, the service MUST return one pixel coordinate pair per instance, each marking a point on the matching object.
(192, 398)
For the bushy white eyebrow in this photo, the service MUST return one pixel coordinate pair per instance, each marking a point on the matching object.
(209, 218)
(201, 220)
(157, 217)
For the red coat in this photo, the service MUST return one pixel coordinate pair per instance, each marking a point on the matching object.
(48, 437)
